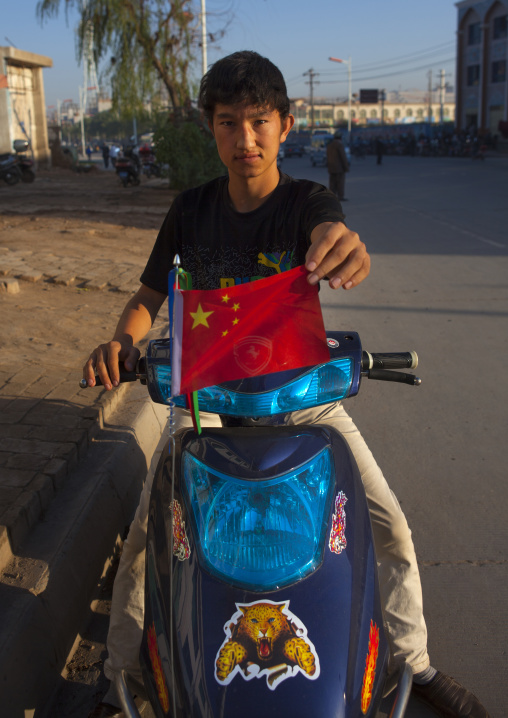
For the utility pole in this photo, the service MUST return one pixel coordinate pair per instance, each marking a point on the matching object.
(430, 96)
(204, 60)
(310, 82)
(442, 88)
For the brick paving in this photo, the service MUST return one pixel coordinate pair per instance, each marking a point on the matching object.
(37, 266)
(47, 423)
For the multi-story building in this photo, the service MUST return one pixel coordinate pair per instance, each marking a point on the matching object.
(22, 106)
(482, 54)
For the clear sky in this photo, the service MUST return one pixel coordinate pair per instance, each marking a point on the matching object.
(392, 43)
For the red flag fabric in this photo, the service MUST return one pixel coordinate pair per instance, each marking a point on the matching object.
(250, 329)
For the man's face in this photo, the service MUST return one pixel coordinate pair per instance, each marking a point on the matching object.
(248, 138)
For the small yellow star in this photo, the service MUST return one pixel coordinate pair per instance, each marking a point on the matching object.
(224, 332)
(235, 321)
(236, 307)
(200, 317)
(225, 298)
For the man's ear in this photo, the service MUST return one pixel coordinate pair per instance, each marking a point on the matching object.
(287, 124)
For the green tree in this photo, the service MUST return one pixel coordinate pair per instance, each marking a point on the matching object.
(149, 43)
(188, 149)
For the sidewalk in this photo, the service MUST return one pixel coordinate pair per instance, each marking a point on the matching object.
(72, 461)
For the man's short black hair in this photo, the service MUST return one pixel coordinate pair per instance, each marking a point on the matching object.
(244, 78)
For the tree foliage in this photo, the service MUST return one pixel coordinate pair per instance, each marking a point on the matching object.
(189, 150)
(148, 43)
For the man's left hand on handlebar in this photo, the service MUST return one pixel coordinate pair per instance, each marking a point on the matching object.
(338, 254)
(105, 361)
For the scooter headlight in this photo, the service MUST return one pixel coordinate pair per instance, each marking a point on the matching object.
(263, 534)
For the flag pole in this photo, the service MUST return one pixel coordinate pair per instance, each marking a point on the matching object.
(172, 446)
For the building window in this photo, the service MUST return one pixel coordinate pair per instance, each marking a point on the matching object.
(353, 114)
(499, 71)
(373, 113)
(474, 34)
(397, 113)
(419, 113)
(409, 112)
(473, 75)
(363, 114)
(340, 114)
(500, 27)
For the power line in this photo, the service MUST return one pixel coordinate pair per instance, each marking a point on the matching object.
(407, 66)
(416, 55)
(405, 71)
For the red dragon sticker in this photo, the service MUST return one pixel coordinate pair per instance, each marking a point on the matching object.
(181, 548)
(370, 667)
(265, 639)
(337, 542)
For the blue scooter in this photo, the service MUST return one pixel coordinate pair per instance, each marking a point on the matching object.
(261, 593)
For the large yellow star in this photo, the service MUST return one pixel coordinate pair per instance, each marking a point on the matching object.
(200, 317)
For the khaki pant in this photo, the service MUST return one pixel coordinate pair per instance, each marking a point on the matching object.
(400, 587)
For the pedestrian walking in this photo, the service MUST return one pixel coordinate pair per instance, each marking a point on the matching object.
(105, 155)
(338, 165)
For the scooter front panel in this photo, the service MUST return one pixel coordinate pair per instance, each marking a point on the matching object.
(316, 647)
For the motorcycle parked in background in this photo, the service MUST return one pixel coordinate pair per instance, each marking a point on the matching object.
(261, 586)
(149, 165)
(25, 163)
(17, 167)
(128, 167)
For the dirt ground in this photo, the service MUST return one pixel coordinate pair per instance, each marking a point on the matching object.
(78, 218)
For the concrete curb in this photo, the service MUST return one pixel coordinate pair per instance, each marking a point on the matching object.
(46, 589)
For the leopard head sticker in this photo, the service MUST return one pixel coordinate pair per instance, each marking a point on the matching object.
(264, 639)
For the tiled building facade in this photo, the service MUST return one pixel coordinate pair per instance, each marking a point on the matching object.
(482, 56)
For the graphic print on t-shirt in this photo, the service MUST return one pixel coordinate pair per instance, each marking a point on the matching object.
(277, 261)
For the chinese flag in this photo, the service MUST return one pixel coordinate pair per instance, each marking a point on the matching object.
(264, 326)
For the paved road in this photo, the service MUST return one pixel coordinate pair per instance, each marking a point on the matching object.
(436, 232)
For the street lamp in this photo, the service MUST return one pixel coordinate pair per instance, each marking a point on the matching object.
(348, 63)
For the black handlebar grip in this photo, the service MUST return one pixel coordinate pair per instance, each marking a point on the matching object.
(396, 376)
(389, 360)
(124, 377)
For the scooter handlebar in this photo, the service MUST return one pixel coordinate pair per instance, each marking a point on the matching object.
(377, 365)
(389, 360)
(125, 375)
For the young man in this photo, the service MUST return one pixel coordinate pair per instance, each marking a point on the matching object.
(252, 223)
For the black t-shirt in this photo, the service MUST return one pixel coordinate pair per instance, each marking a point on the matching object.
(220, 247)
